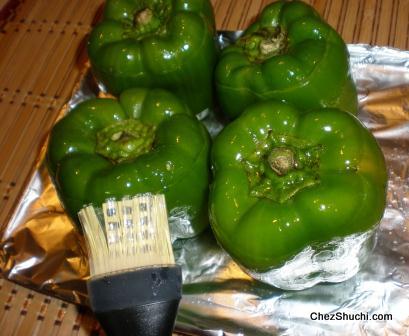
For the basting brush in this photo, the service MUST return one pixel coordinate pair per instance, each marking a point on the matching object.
(135, 285)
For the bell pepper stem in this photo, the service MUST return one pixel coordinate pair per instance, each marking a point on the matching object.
(150, 17)
(281, 160)
(125, 140)
(281, 167)
(143, 17)
(264, 44)
(146, 21)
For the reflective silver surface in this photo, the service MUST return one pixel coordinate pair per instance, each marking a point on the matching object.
(41, 248)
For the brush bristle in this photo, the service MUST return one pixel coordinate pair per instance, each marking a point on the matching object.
(130, 233)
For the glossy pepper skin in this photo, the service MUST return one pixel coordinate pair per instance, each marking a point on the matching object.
(289, 54)
(157, 43)
(284, 180)
(147, 141)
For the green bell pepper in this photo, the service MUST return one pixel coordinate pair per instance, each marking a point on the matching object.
(147, 141)
(284, 180)
(289, 54)
(167, 44)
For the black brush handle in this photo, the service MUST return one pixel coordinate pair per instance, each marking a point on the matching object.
(141, 302)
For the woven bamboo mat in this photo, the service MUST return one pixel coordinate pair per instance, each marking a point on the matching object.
(42, 55)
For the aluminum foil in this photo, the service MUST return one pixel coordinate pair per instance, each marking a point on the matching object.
(41, 249)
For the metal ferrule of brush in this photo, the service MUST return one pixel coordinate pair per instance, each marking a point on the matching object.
(135, 286)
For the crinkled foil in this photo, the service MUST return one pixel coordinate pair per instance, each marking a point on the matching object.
(41, 249)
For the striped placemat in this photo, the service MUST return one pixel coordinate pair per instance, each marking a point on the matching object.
(24, 312)
(42, 57)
